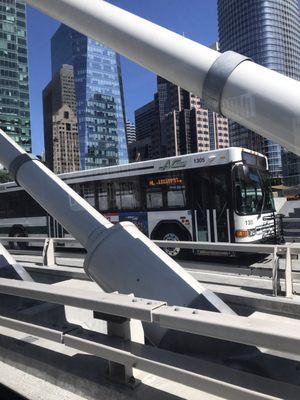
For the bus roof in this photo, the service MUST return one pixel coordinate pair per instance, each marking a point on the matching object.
(187, 161)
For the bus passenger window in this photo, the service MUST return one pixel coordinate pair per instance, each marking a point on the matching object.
(32, 208)
(75, 187)
(3, 202)
(16, 204)
(102, 196)
(154, 198)
(111, 195)
(88, 193)
(127, 195)
(176, 196)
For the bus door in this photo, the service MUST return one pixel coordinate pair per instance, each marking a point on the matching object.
(201, 203)
(211, 198)
(220, 189)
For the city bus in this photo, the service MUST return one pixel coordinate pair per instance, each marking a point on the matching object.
(215, 196)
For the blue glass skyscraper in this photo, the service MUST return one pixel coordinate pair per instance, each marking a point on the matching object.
(99, 96)
(268, 31)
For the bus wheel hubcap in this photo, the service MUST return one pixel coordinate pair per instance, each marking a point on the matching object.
(172, 252)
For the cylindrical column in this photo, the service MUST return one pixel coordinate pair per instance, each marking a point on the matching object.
(260, 99)
(172, 56)
(58, 199)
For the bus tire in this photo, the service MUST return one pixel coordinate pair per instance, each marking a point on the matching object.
(18, 232)
(173, 233)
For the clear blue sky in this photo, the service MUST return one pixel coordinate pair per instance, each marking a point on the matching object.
(197, 19)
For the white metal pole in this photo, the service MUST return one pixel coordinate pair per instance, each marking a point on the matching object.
(76, 215)
(256, 97)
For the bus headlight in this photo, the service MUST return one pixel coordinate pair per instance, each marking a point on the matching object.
(243, 233)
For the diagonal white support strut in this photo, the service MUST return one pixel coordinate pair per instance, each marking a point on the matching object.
(256, 97)
(119, 256)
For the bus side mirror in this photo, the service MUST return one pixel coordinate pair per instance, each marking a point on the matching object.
(242, 172)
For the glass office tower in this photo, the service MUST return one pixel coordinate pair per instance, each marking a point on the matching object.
(14, 90)
(99, 96)
(268, 31)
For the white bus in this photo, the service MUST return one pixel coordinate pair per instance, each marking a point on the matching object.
(215, 196)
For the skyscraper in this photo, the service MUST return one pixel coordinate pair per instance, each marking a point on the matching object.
(176, 122)
(60, 122)
(268, 31)
(147, 144)
(130, 132)
(14, 91)
(99, 96)
(186, 125)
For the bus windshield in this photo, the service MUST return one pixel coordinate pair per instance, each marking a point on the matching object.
(253, 194)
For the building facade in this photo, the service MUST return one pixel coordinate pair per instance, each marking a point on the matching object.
(60, 122)
(268, 31)
(186, 125)
(130, 132)
(99, 97)
(146, 125)
(176, 122)
(14, 90)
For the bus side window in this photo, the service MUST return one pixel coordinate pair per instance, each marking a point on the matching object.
(154, 198)
(76, 187)
(32, 208)
(88, 192)
(3, 203)
(128, 195)
(16, 204)
(102, 196)
(111, 196)
(176, 196)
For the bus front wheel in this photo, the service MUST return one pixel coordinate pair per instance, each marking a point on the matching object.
(174, 234)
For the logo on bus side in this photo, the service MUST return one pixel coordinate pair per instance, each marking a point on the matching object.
(171, 164)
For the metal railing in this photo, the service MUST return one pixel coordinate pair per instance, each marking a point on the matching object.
(287, 252)
(291, 229)
(187, 370)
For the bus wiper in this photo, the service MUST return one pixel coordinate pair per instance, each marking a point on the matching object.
(263, 204)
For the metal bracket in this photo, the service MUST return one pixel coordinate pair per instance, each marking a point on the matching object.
(217, 76)
(288, 274)
(275, 273)
(129, 330)
(18, 162)
(48, 252)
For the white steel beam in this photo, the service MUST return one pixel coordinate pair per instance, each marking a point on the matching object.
(107, 303)
(280, 334)
(258, 98)
(219, 380)
(208, 377)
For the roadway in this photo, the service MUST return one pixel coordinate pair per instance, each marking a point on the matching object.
(252, 271)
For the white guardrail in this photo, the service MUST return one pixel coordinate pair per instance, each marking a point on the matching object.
(123, 350)
(287, 251)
